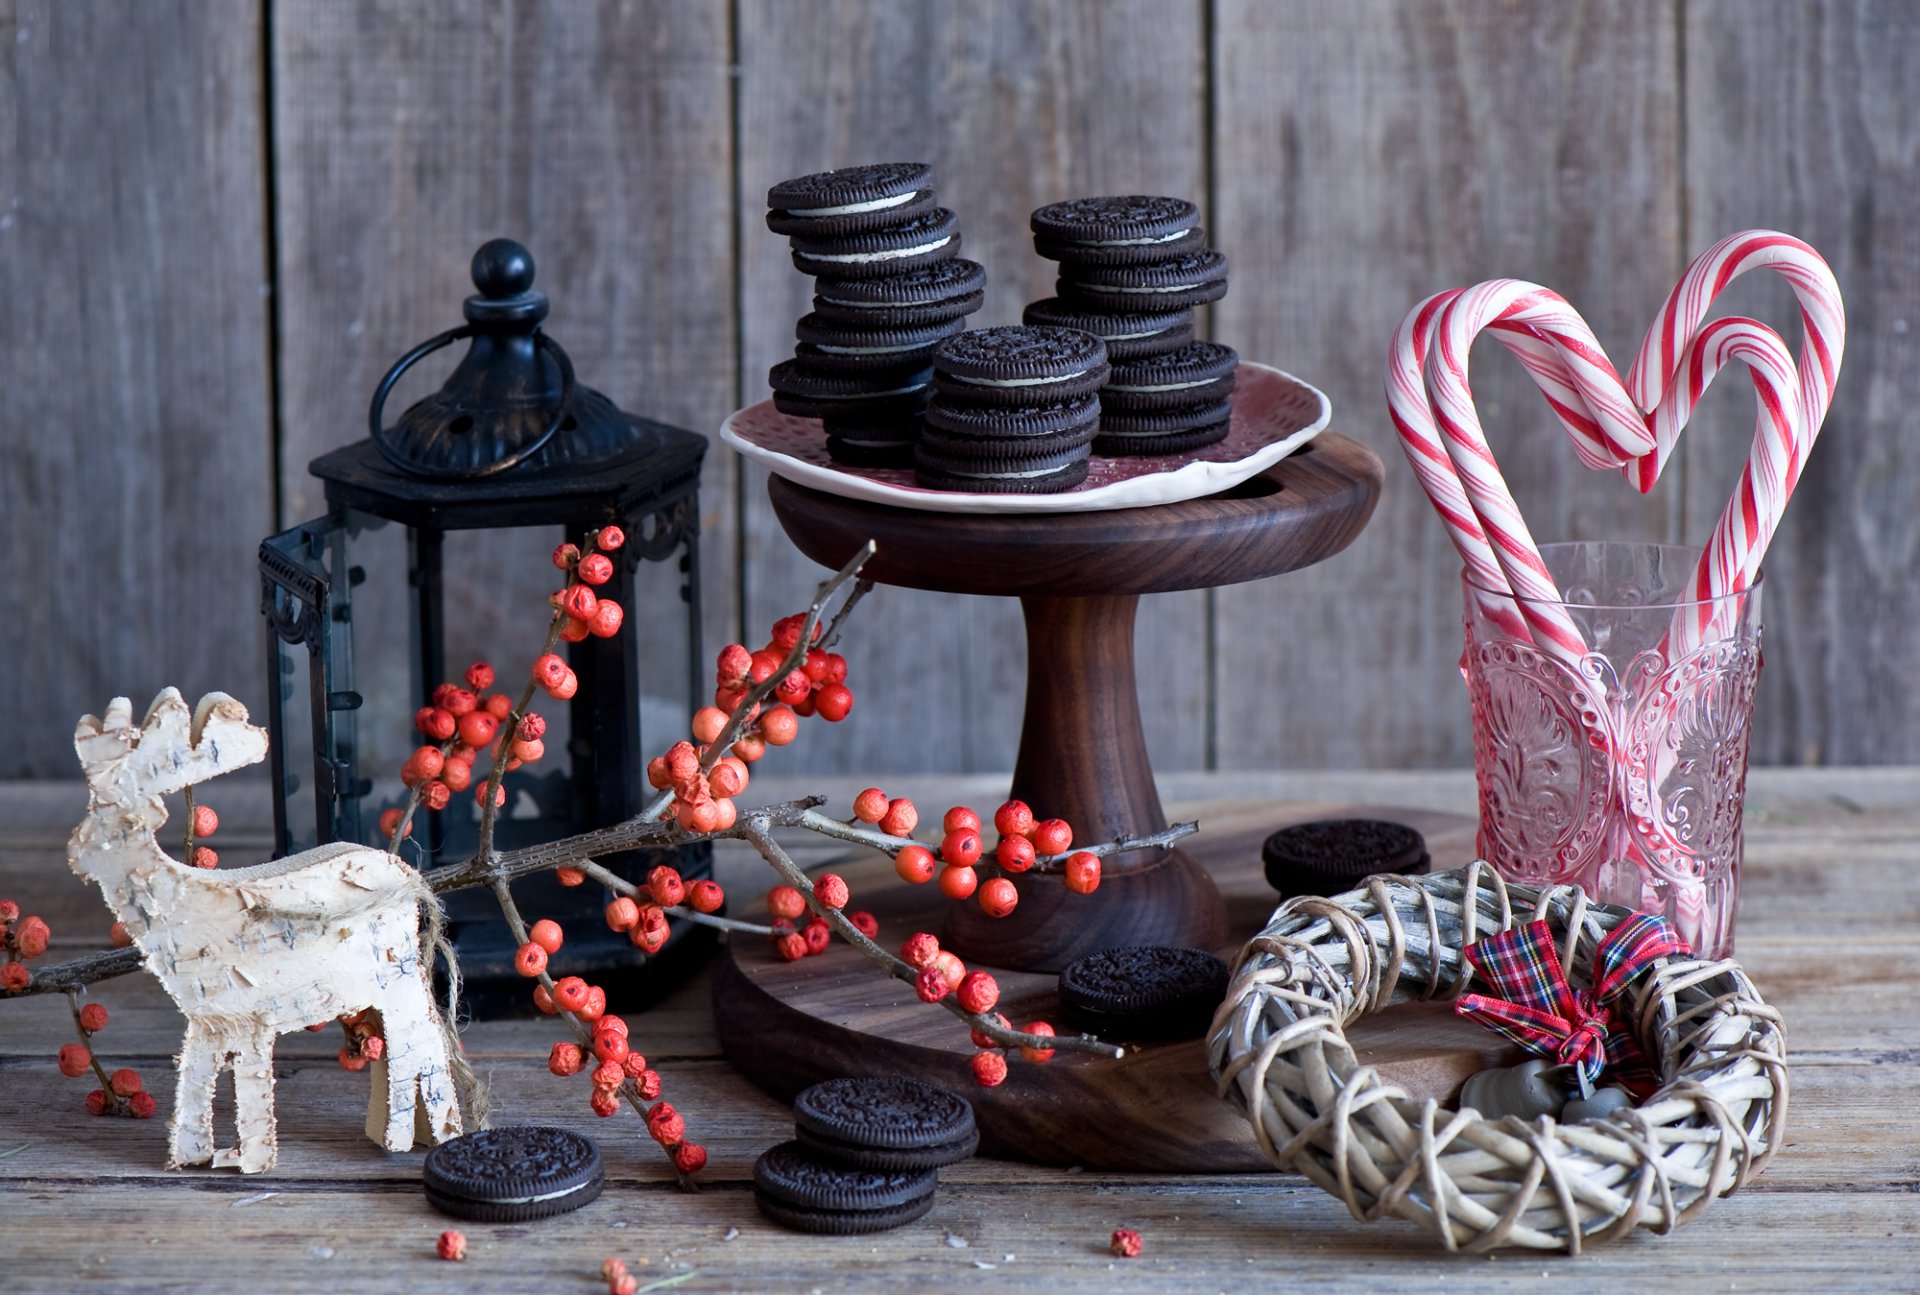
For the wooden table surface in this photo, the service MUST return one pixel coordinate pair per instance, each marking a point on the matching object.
(1829, 927)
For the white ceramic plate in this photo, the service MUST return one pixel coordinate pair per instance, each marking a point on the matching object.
(1274, 414)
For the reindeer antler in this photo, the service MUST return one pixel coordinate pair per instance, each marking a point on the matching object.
(173, 747)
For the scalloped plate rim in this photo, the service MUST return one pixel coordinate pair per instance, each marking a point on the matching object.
(1188, 481)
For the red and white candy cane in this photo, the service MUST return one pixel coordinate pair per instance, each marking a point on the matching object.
(1823, 337)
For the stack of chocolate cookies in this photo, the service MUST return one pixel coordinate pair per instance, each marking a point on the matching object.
(1015, 411)
(1131, 271)
(866, 1155)
(890, 287)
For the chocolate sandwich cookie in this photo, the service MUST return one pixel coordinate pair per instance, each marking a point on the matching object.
(1028, 475)
(1189, 280)
(1017, 364)
(934, 294)
(800, 1191)
(1146, 992)
(1163, 431)
(998, 426)
(1334, 855)
(885, 1123)
(1130, 230)
(850, 200)
(808, 393)
(514, 1174)
(827, 346)
(1199, 373)
(928, 238)
(1128, 337)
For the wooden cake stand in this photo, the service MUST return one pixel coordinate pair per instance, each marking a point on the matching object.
(1083, 757)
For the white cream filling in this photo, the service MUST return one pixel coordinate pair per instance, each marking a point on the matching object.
(874, 395)
(1134, 242)
(1165, 386)
(1015, 382)
(872, 445)
(856, 258)
(1178, 287)
(854, 208)
(1128, 337)
(1007, 476)
(529, 1200)
(867, 350)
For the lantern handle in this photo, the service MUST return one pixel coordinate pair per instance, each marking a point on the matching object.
(376, 425)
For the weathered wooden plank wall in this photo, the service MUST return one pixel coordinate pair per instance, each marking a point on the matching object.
(219, 223)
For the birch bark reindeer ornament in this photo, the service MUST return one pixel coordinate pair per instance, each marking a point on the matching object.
(249, 953)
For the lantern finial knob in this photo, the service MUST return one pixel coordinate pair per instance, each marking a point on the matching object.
(502, 268)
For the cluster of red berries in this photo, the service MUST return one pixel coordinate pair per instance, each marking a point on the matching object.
(610, 1061)
(587, 613)
(21, 939)
(204, 824)
(119, 1093)
(619, 1280)
(794, 938)
(461, 722)
(942, 973)
(1023, 841)
(363, 1044)
(703, 802)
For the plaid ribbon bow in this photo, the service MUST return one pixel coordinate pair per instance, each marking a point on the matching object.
(1535, 1006)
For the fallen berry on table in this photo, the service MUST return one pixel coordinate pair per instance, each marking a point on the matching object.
(1125, 1243)
(792, 946)
(818, 936)
(611, 1268)
(989, 1069)
(452, 1246)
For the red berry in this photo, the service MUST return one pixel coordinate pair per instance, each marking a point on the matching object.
(579, 602)
(818, 936)
(958, 883)
(120, 937)
(779, 726)
(729, 777)
(457, 774)
(541, 1000)
(979, 992)
(787, 631)
(566, 1059)
(141, 1106)
(547, 934)
(425, 762)
(999, 897)
(635, 1065)
(97, 1101)
(436, 795)
(750, 748)
(617, 1024)
(1083, 873)
(764, 666)
(93, 1018)
(932, 986)
(573, 631)
(960, 819)
(865, 923)
(608, 617)
(527, 750)
(657, 775)
(479, 676)
(595, 1007)
(948, 964)
(1037, 1054)
(1125, 1243)
(792, 946)
(920, 950)
(499, 795)
(795, 688)
(836, 668)
(708, 722)
(570, 876)
(668, 890)
(706, 896)
(871, 805)
(125, 1083)
(205, 821)
(647, 1084)
(459, 702)
(734, 662)
(981, 1040)
(900, 819)
(566, 555)
(1055, 836)
(75, 1060)
(604, 1102)
(689, 1157)
(915, 863)
(549, 671)
(595, 568)
(451, 1246)
(622, 914)
(785, 901)
(831, 889)
(1013, 819)
(611, 1046)
(668, 1126)
(961, 847)
(530, 960)
(532, 727)
(650, 934)
(989, 1069)
(570, 994)
(833, 702)
(9, 911)
(1014, 853)
(477, 730)
(498, 705)
(609, 538)
(203, 857)
(566, 688)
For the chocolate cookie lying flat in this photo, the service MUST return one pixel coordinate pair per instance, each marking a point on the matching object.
(885, 1123)
(1146, 992)
(1332, 855)
(514, 1174)
(799, 1191)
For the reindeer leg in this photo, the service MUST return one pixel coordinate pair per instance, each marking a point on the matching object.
(190, 1135)
(253, 1104)
(391, 1104)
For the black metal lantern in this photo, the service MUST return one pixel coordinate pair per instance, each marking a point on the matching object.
(510, 440)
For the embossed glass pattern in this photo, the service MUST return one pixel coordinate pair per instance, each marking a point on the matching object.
(1624, 771)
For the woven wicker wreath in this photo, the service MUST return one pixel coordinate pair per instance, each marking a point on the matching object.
(1277, 1047)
